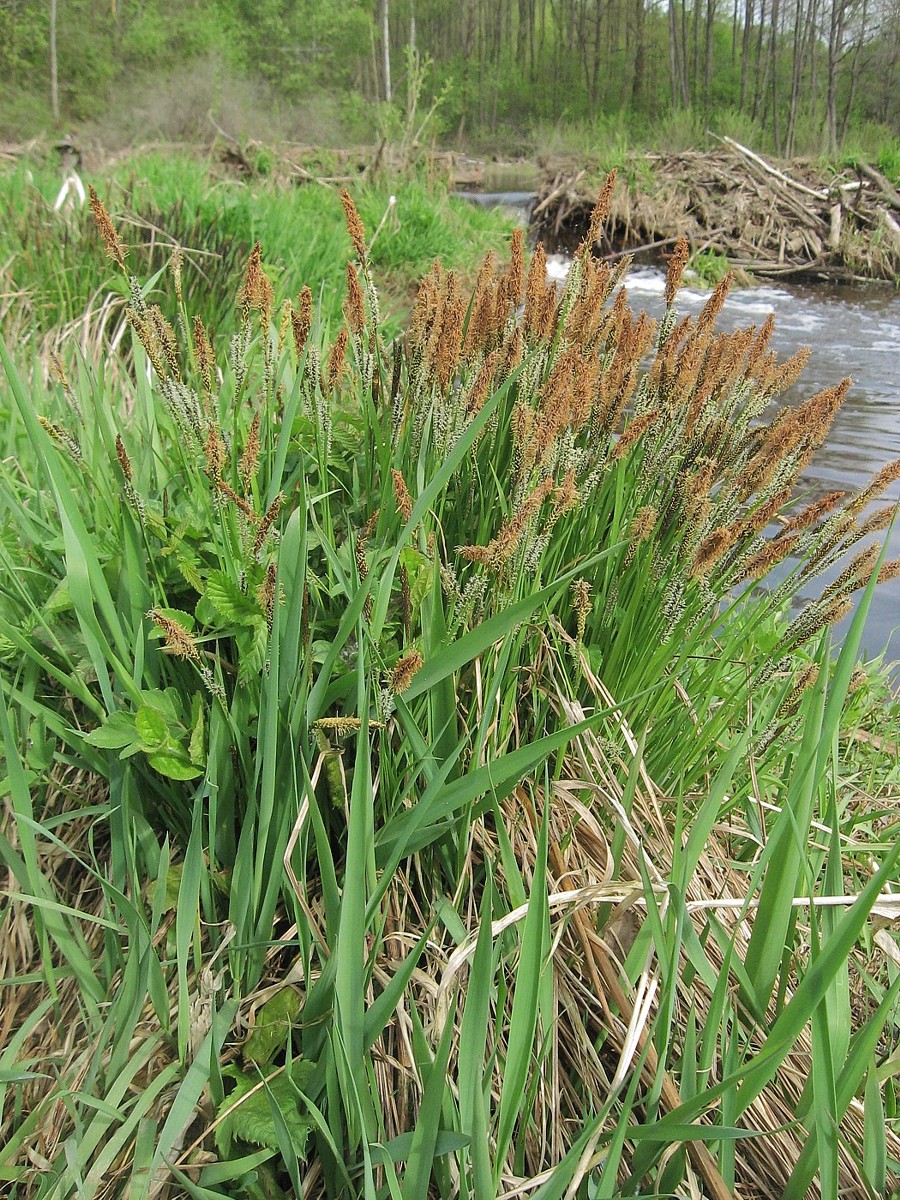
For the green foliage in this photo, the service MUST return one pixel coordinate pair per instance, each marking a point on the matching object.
(418, 673)
(55, 265)
(709, 266)
(251, 1109)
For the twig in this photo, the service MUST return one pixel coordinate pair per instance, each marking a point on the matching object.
(800, 187)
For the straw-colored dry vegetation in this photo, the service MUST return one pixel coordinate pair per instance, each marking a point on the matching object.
(414, 787)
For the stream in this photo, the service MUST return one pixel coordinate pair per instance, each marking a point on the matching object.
(853, 329)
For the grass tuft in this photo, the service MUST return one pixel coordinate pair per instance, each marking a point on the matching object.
(411, 790)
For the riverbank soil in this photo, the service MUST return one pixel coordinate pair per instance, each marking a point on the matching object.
(797, 218)
(774, 219)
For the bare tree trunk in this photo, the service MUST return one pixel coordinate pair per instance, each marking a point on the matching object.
(708, 65)
(800, 18)
(835, 38)
(54, 75)
(386, 47)
(745, 50)
(674, 69)
(854, 68)
(684, 54)
(773, 66)
(757, 90)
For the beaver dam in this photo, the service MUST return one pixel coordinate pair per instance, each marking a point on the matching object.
(771, 219)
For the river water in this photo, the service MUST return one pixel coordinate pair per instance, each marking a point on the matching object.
(852, 329)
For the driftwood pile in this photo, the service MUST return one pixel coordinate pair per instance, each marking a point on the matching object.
(796, 219)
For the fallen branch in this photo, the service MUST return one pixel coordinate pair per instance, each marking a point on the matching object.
(786, 179)
(888, 193)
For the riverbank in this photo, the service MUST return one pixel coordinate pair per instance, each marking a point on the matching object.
(798, 218)
(775, 219)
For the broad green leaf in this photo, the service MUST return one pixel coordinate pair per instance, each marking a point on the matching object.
(232, 605)
(274, 1022)
(251, 1119)
(116, 732)
(152, 727)
(196, 745)
(174, 764)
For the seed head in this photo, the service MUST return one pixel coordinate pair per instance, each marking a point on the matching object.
(677, 263)
(516, 276)
(266, 592)
(115, 249)
(581, 600)
(124, 461)
(354, 303)
(636, 429)
(713, 306)
(354, 225)
(250, 457)
(401, 495)
(711, 550)
(762, 562)
(405, 670)
(301, 319)
(811, 514)
(256, 291)
(643, 524)
(215, 451)
(178, 639)
(238, 501)
(203, 352)
(267, 522)
(601, 210)
(886, 476)
(336, 359)
(64, 438)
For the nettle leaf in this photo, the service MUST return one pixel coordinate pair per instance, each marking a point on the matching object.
(252, 651)
(196, 750)
(174, 763)
(166, 701)
(252, 1121)
(420, 570)
(59, 600)
(274, 1022)
(172, 886)
(152, 727)
(232, 605)
(116, 732)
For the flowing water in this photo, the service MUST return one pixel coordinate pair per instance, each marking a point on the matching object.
(853, 330)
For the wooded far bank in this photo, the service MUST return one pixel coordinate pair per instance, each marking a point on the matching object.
(785, 76)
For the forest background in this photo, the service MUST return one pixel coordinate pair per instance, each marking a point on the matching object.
(791, 77)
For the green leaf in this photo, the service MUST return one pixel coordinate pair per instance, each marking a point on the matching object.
(274, 1022)
(196, 746)
(252, 650)
(232, 605)
(174, 764)
(398, 1148)
(152, 728)
(252, 1120)
(116, 732)
(172, 885)
(420, 569)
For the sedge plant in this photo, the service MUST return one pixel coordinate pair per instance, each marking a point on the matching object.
(457, 811)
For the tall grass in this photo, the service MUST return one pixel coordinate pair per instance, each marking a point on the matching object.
(56, 279)
(411, 792)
